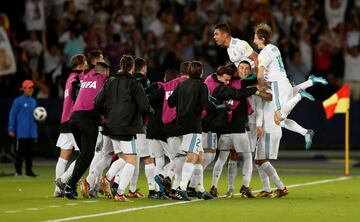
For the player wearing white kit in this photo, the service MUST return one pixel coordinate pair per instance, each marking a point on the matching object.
(271, 70)
(237, 49)
(243, 71)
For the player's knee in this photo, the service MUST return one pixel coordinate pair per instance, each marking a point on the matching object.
(65, 154)
(260, 162)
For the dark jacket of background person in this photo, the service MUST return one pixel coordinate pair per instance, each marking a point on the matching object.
(191, 97)
(21, 119)
(124, 102)
(155, 127)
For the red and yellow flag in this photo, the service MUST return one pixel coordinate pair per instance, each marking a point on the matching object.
(338, 102)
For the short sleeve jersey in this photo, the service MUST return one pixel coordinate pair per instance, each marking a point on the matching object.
(270, 58)
(238, 50)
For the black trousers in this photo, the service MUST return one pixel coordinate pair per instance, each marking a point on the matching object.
(84, 127)
(24, 150)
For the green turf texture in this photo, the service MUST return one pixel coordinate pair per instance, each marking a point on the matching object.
(335, 201)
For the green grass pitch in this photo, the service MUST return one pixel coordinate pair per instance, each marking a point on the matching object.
(28, 199)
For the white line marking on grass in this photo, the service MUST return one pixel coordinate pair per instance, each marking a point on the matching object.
(53, 206)
(72, 204)
(32, 209)
(182, 202)
(12, 211)
(90, 201)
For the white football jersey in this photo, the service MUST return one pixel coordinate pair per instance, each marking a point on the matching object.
(238, 50)
(270, 58)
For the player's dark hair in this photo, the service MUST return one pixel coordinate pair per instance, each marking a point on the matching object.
(139, 64)
(184, 68)
(223, 28)
(92, 55)
(263, 31)
(195, 69)
(245, 62)
(221, 70)
(77, 60)
(171, 74)
(126, 63)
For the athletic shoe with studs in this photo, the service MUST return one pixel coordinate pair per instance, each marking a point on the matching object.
(264, 194)
(317, 80)
(182, 195)
(280, 193)
(308, 138)
(135, 194)
(104, 186)
(121, 198)
(205, 195)
(214, 192)
(84, 188)
(230, 194)
(191, 192)
(246, 192)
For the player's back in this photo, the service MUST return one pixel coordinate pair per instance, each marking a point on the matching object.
(270, 58)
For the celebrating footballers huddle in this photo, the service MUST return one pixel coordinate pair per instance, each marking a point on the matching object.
(115, 119)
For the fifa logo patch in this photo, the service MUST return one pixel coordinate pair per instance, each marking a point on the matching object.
(90, 84)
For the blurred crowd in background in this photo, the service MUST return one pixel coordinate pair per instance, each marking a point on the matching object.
(315, 37)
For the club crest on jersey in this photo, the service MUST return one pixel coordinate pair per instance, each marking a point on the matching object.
(90, 84)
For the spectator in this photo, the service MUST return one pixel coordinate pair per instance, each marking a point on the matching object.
(23, 127)
(351, 75)
(335, 12)
(296, 69)
(34, 17)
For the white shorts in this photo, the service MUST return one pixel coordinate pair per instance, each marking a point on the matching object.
(66, 141)
(142, 145)
(158, 148)
(174, 143)
(126, 147)
(239, 141)
(107, 147)
(191, 143)
(209, 140)
(282, 92)
(268, 147)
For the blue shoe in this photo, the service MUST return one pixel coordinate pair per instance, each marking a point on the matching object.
(159, 179)
(308, 138)
(319, 80)
(306, 95)
(182, 195)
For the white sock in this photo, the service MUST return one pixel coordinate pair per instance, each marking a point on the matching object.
(232, 172)
(67, 174)
(187, 172)
(135, 176)
(264, 178)
(308, 83)
(150, 174)
(223, 155)
(125, 176)
(247, 168)
(198, 176)
(179, 163)
(115, 168)
(208, 158)
(159, 165)
(293, 126)
(60, 167)
(289, 105)
(169, 169)
(271, 172)
(98, 170)
(97, 157)
(117, 177)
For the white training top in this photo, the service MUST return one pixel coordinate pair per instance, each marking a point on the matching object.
(270, 58)
(238, 50)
